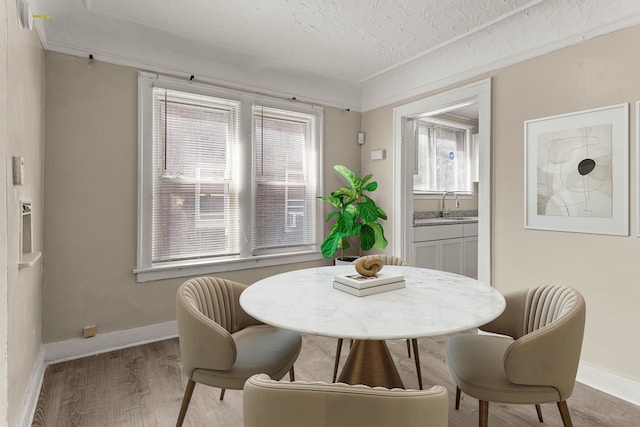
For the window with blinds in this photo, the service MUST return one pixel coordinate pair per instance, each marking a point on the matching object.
(227, 179)
(443, 159)
(285, 178)
(195, 181)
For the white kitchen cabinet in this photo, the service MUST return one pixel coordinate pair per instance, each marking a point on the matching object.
(470, 249)
(452, 248)
(427, 254)
(452, 255)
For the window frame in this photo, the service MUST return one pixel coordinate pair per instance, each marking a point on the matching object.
(425, 195)
(145, 269)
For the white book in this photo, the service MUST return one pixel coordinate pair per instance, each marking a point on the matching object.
(361, 282)
(370, 290)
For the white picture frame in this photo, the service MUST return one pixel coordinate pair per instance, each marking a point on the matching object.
(577, 172)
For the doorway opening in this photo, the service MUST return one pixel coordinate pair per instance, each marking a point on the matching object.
(471, 99)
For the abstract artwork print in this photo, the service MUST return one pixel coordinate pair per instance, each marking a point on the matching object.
(577, 171)
(574, 175)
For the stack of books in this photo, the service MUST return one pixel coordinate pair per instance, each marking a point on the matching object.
(359, 285)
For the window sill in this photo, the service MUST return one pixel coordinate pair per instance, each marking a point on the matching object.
(198, 267)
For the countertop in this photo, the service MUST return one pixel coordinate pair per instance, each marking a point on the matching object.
(428, 218)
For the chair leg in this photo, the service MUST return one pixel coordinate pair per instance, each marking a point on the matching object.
(484, 413)
(335, 365)
(408, 349)
(292, 374)
(416, 356)
(457, 398)
(222, 394)
(564, 414)
(188, 392)
(539, 411)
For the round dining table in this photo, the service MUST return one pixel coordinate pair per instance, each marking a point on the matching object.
(432, 303)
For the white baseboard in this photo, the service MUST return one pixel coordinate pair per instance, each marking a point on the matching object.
(610, 383)
(102, 343)
(81, 347)
(30, 401)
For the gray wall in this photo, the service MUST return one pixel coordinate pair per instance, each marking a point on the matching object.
(90, 201)
(593, 74)
(25, 75)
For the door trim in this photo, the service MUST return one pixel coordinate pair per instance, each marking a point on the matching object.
(403, 169)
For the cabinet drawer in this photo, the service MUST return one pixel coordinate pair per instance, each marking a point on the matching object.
(438, 232)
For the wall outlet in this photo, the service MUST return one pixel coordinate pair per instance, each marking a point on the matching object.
(89, 331)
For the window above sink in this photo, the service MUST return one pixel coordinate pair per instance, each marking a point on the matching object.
(443, 157)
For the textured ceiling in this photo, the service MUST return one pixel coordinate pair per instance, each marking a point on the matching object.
(349, 53)
(350, 40)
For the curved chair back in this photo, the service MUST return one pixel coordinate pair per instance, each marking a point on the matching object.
(386, 259)
(269, 403)
(547, 304)
(221, 345)
(218, 299)
(547, 346)
(208, 311)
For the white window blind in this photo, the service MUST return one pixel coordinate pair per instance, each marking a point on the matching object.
(286, 169)
(195, 200)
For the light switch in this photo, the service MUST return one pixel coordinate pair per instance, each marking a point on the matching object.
(18, 170)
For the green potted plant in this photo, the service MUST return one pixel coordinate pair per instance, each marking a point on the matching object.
(356, 215)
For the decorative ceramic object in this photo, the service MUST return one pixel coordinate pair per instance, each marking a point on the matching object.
(369, 266)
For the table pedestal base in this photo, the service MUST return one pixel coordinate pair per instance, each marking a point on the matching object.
(370, 363)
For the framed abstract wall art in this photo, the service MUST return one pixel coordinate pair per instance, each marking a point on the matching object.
(577, 172)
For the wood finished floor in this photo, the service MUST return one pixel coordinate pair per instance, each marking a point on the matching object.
(144, 385)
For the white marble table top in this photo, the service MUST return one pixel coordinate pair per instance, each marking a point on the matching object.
(433, 303)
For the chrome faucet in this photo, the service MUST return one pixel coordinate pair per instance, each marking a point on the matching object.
(444, 196)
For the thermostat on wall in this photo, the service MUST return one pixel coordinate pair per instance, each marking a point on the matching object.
(378, 154)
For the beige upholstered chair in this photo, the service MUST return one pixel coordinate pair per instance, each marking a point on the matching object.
(269, 403)
(387, 260)
(221, 345)
(538, 360)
